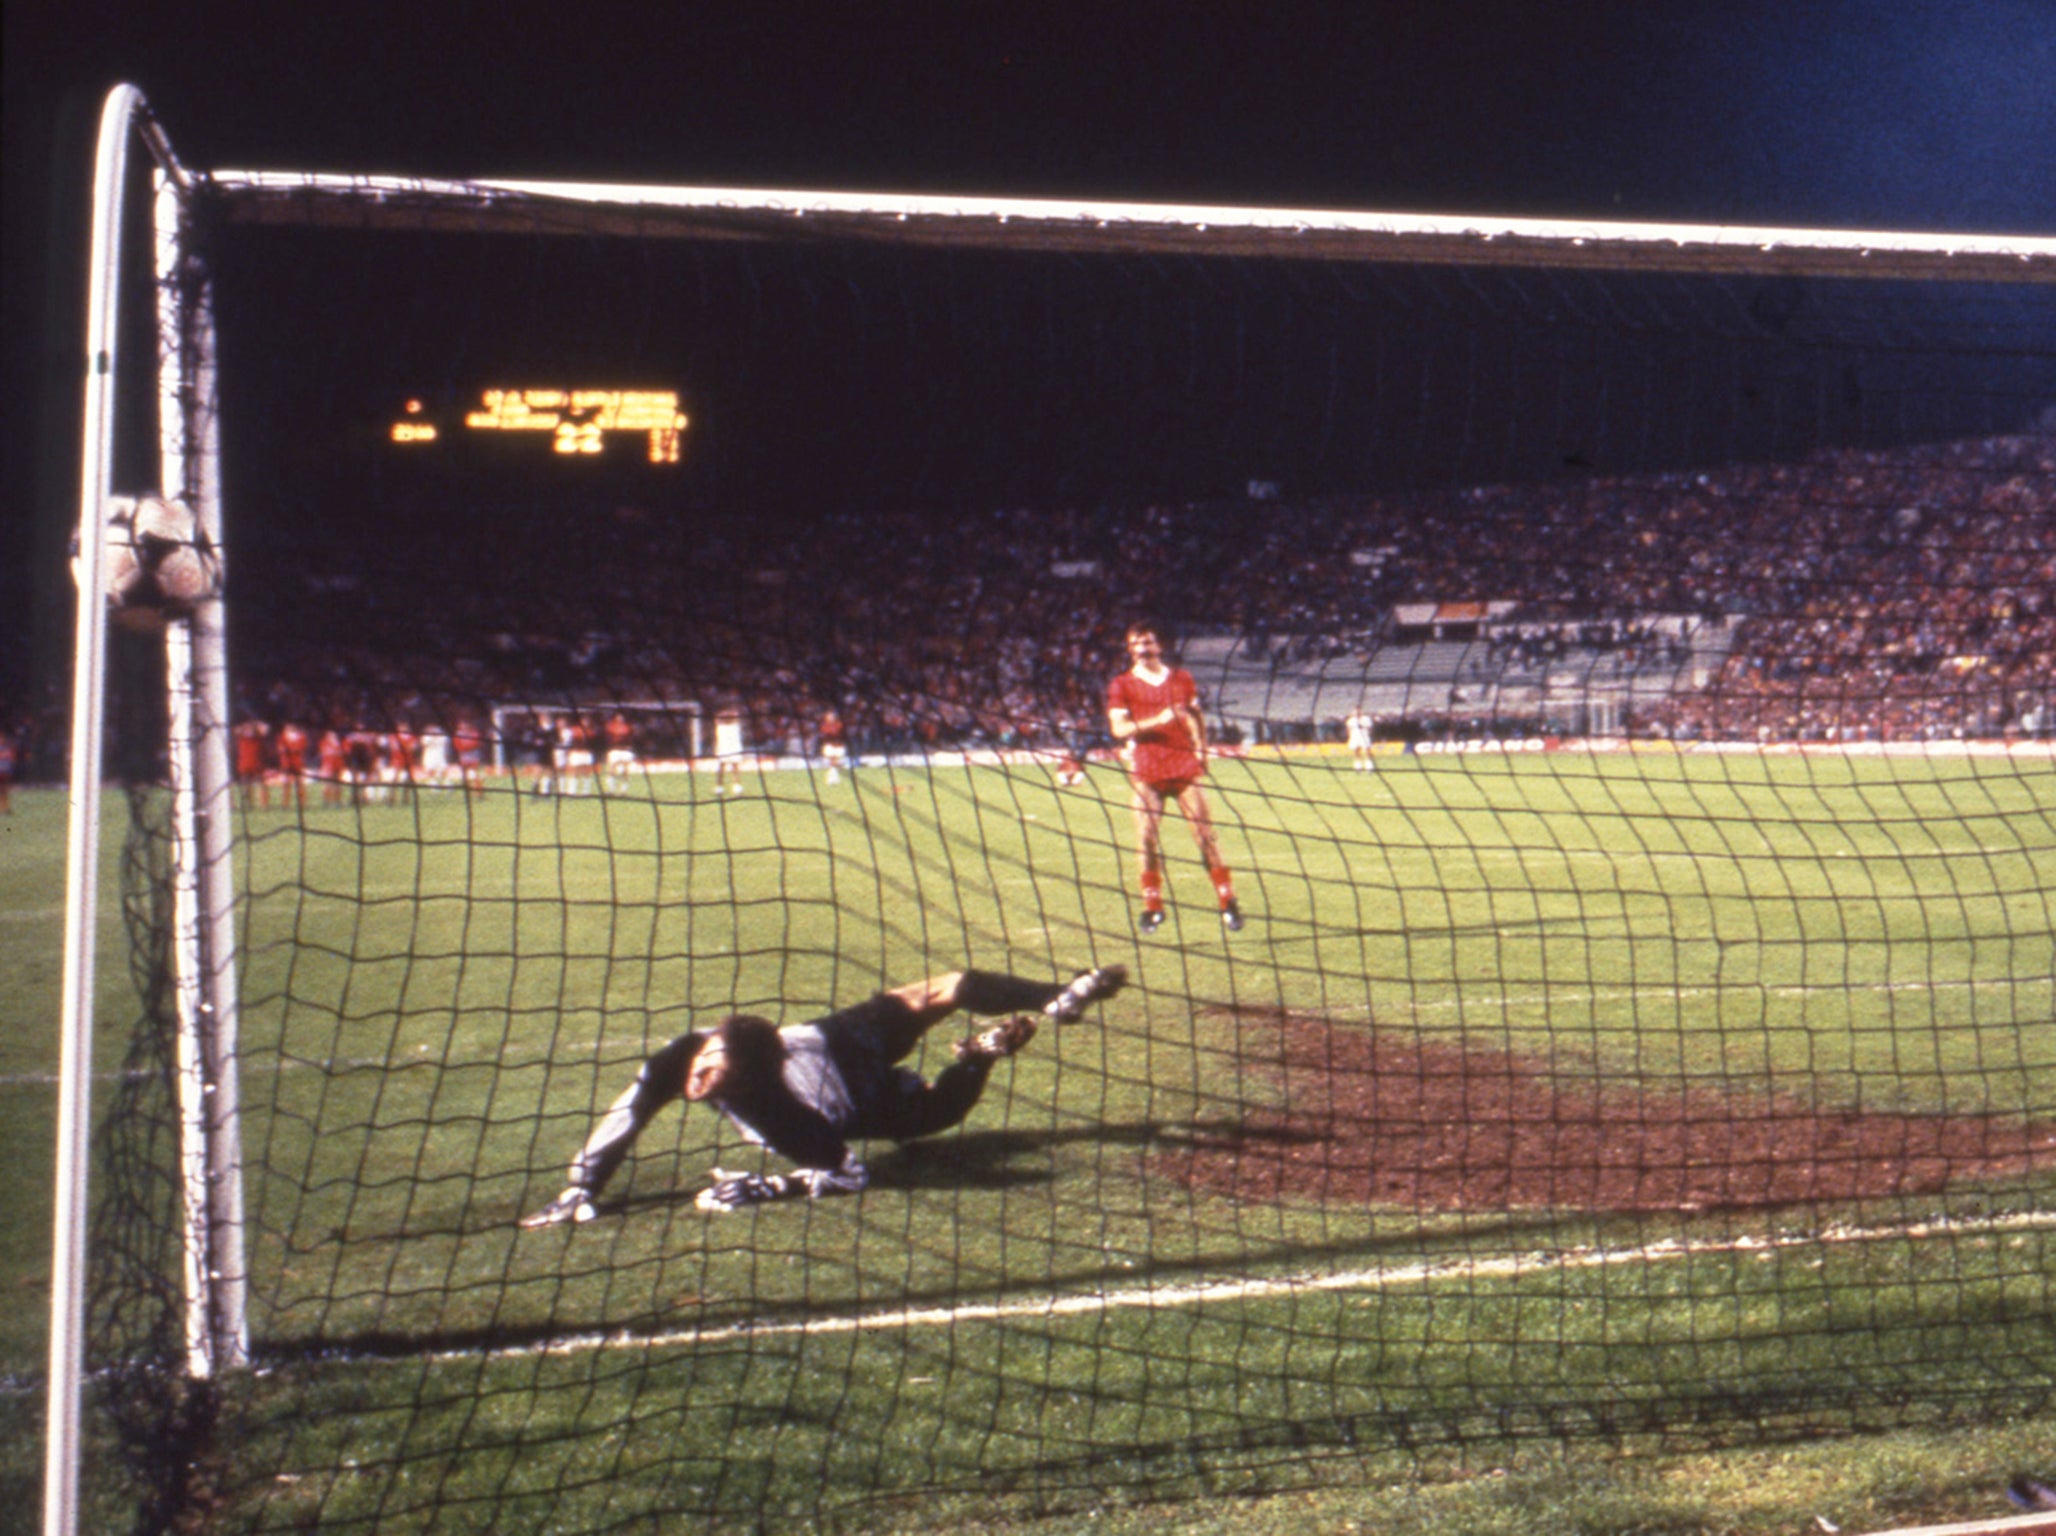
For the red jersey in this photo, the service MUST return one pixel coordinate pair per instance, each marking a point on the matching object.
(1164, 753)
(251, 737)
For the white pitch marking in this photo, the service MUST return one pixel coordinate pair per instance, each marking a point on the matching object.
(1512, 1266)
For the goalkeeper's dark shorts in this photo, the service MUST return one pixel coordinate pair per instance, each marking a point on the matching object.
(877, 1033)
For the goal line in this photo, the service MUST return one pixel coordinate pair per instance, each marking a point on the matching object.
(1176, 1297)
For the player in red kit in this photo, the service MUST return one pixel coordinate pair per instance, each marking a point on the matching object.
(253, 744)
(835, 750)
(334, 754)
(1153, 710)
(292, 761)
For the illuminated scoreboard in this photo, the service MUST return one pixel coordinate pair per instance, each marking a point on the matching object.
(577, 422)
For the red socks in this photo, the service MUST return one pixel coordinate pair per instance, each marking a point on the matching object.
(1224, 884)
(1153, 888)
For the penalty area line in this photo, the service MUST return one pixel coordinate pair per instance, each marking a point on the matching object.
(1169, 1297)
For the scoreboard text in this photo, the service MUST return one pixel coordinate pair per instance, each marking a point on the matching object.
(577, 421)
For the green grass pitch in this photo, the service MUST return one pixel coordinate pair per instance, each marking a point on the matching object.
(1027, 1314)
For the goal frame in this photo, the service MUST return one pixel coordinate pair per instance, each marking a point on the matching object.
(201, 874)
(196, 646)
(696, 737)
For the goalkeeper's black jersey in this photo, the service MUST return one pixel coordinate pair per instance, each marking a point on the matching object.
(833, 1088)
(808, 1090)
(810, 1111)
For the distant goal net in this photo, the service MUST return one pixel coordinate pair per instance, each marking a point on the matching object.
(1611, 1008)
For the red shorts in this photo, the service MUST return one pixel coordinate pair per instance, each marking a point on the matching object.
(1170, 789)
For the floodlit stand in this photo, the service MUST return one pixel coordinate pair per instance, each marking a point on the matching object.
(204, 892)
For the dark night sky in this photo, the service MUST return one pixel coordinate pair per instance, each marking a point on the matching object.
(1923, 114)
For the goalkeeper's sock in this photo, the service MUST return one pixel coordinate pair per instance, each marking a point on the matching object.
(992, 992)
(1153, 891)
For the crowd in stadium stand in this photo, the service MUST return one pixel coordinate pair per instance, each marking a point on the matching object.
(1900, 594)
(1903, 594)
(1891, 597)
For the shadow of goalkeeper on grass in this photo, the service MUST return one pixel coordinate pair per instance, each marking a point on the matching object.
(975, 1160)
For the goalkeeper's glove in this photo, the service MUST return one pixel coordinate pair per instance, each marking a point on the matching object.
(845, 1180)
(733, 1191)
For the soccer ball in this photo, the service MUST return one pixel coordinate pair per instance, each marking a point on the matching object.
(156, 562)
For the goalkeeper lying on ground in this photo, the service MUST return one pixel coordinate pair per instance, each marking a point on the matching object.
(808, 1090)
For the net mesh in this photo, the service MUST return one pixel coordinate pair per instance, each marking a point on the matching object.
(1638, 1027)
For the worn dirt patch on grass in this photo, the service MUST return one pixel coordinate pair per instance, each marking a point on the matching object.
(1374, 1118)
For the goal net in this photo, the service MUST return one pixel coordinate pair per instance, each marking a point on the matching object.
(1627, 659)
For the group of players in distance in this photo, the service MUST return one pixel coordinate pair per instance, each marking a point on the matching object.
(807, 1091)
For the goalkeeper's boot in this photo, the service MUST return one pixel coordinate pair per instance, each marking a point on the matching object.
(1231, 915)
(1151, 920)
(998, 1042)
(1086, 987)
(575, 1204)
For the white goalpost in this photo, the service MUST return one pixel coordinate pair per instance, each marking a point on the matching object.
(215, 1277)
(203, 893)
